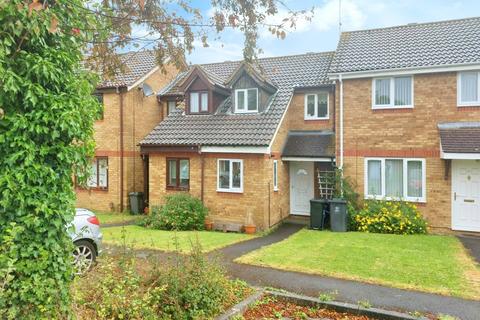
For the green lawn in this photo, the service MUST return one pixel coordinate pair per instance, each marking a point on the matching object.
(423, 262)
(108, 217)
(142, 238)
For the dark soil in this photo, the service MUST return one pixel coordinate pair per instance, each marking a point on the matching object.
(271, 308)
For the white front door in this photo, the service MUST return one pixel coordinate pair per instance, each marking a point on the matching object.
(301, 187)
(466, 195)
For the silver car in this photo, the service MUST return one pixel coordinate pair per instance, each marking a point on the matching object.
(87, 239)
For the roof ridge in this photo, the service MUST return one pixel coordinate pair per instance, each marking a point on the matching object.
(270, 58)
(411, 24)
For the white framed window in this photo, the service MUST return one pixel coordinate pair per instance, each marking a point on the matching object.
(230, 175)
(392, 92)
(468, 89)
(246, 100)
(204, 102)
(172, 105)
(98, 173)
(395, 179)
(275, 175)
(316, 106)
(198, 102)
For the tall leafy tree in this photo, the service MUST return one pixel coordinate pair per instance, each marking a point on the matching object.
(47, 115)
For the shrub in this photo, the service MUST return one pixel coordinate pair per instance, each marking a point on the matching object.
(195, 288)
(398, 217)
(186, 287)
(180, 212)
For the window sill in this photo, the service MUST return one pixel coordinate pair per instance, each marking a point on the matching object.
(229, 191)
(316, 119)
(416, 200)
(178, 188)
(92, 189)
(391, 107)
(246, 112)
(275, 189)
(469, 105)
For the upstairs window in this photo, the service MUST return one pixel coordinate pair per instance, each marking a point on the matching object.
(468, 89)
(316, 106)
(98, 173)
(392, 92)
(246, 100)
(198, 102)
(172, 105)
(178, 174)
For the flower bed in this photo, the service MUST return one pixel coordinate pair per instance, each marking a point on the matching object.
(283, 305)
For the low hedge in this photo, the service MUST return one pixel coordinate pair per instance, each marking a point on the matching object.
(396, 217)
(181, 211)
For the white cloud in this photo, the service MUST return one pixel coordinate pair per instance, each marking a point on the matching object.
(216, 52)
(325, 17)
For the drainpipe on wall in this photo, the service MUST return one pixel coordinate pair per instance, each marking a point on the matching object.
(121, 151)
(341, 121)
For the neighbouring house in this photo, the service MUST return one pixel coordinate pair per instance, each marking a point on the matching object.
(130, 112)
(247, 140)
(408, 117)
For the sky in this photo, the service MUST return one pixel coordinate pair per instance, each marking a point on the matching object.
(321, 34)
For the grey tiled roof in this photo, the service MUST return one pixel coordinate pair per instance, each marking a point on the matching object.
(460, 137)
(137, 65)
(440, 43)
(310, 144)
(224, 128)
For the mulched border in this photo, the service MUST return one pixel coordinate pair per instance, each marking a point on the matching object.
(301, 300)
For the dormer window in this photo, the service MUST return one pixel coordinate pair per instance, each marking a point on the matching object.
(199, 102)
(246, 100)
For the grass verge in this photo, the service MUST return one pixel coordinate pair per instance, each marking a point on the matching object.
(143, 238)
(431, 263)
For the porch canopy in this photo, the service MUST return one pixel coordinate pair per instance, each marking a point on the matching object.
(309, 146)
(460, 140)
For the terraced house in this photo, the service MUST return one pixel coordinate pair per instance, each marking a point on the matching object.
(244, 139)
(398, 109)
(409, 117)
(130, 112)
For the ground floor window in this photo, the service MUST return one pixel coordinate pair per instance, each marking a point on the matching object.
(395, 178)
(230, 175)
(178, 173)
(275, 175)
(98, 173)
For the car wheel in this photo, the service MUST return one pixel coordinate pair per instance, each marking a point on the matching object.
(84, 256)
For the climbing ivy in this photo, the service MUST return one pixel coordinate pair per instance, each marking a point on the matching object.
(46, 129)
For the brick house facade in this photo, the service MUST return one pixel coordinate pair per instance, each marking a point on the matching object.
(409, 129)
(128, 116)
(249, 136)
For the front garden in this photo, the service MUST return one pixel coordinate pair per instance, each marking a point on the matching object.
(429, 263)
(139, 237)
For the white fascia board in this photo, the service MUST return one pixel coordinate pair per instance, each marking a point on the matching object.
(142, 79)
(404, 71)
(460, 156)
(306, 159)
(235, 149)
